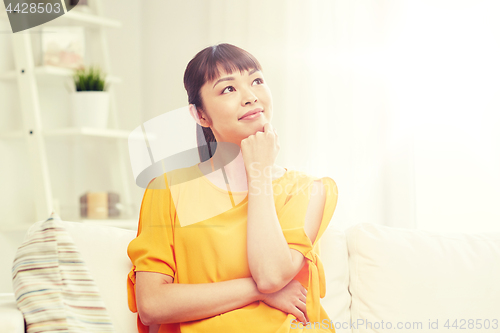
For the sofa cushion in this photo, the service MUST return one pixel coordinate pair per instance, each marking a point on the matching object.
(104, 249)
(11, 318)
(422, 280)
(52, 285)
(337, 300)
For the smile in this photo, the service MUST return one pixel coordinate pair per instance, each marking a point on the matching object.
(252, 116)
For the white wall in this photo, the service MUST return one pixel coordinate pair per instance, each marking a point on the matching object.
(172, 33)
(444, 83)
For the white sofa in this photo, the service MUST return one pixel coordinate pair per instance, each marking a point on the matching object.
(376, 276)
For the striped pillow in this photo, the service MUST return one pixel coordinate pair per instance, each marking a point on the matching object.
(52, 285)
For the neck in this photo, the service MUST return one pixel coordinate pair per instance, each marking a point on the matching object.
(223, 159)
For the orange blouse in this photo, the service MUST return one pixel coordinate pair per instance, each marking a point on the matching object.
(195, 232)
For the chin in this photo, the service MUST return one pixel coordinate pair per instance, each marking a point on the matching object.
(248, 133)
(258, 128)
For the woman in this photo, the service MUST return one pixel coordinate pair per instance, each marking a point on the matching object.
(231, 244)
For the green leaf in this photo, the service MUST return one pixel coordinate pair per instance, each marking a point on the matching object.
(90, 79)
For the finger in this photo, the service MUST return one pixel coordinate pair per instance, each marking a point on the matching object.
(304, 291)
(301, 305)
(300, 316)
(303, 299)
(267, 127)
(303, 308)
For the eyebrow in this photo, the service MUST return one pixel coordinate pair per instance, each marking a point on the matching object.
(229, 78)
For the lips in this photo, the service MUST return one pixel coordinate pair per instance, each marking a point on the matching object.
(252, 112)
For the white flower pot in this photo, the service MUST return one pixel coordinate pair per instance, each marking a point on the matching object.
(90, 108)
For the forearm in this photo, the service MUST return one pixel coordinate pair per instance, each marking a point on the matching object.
(175, 302)
(269, 255)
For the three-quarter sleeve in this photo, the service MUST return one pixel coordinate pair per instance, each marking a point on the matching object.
(292, 220)
(153, 248)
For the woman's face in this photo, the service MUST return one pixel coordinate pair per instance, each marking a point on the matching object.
(229, 97)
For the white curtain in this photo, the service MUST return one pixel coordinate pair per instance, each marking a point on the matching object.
(397, 101)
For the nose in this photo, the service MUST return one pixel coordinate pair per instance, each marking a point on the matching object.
(249, 97)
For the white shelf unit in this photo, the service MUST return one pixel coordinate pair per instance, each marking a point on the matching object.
(73, 131)
(74, 17)
(27, 74)
(51, 71)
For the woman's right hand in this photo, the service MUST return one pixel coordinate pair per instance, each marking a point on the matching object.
(290, 299)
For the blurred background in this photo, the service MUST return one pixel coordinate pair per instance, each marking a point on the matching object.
(397, 101)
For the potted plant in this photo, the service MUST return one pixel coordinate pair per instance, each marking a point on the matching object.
(90, 101)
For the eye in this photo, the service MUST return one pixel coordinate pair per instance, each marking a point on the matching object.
(260, 80)
(226, 88)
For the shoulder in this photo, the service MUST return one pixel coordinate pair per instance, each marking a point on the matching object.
(297, 182)
(157, 183)
(173, 177)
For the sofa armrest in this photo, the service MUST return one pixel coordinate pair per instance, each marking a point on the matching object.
(10, 316)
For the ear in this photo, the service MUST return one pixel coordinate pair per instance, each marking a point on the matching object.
(193, 111)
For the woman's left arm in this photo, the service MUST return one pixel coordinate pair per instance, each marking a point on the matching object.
(272, 262)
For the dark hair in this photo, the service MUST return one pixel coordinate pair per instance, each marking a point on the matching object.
(204, 67)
